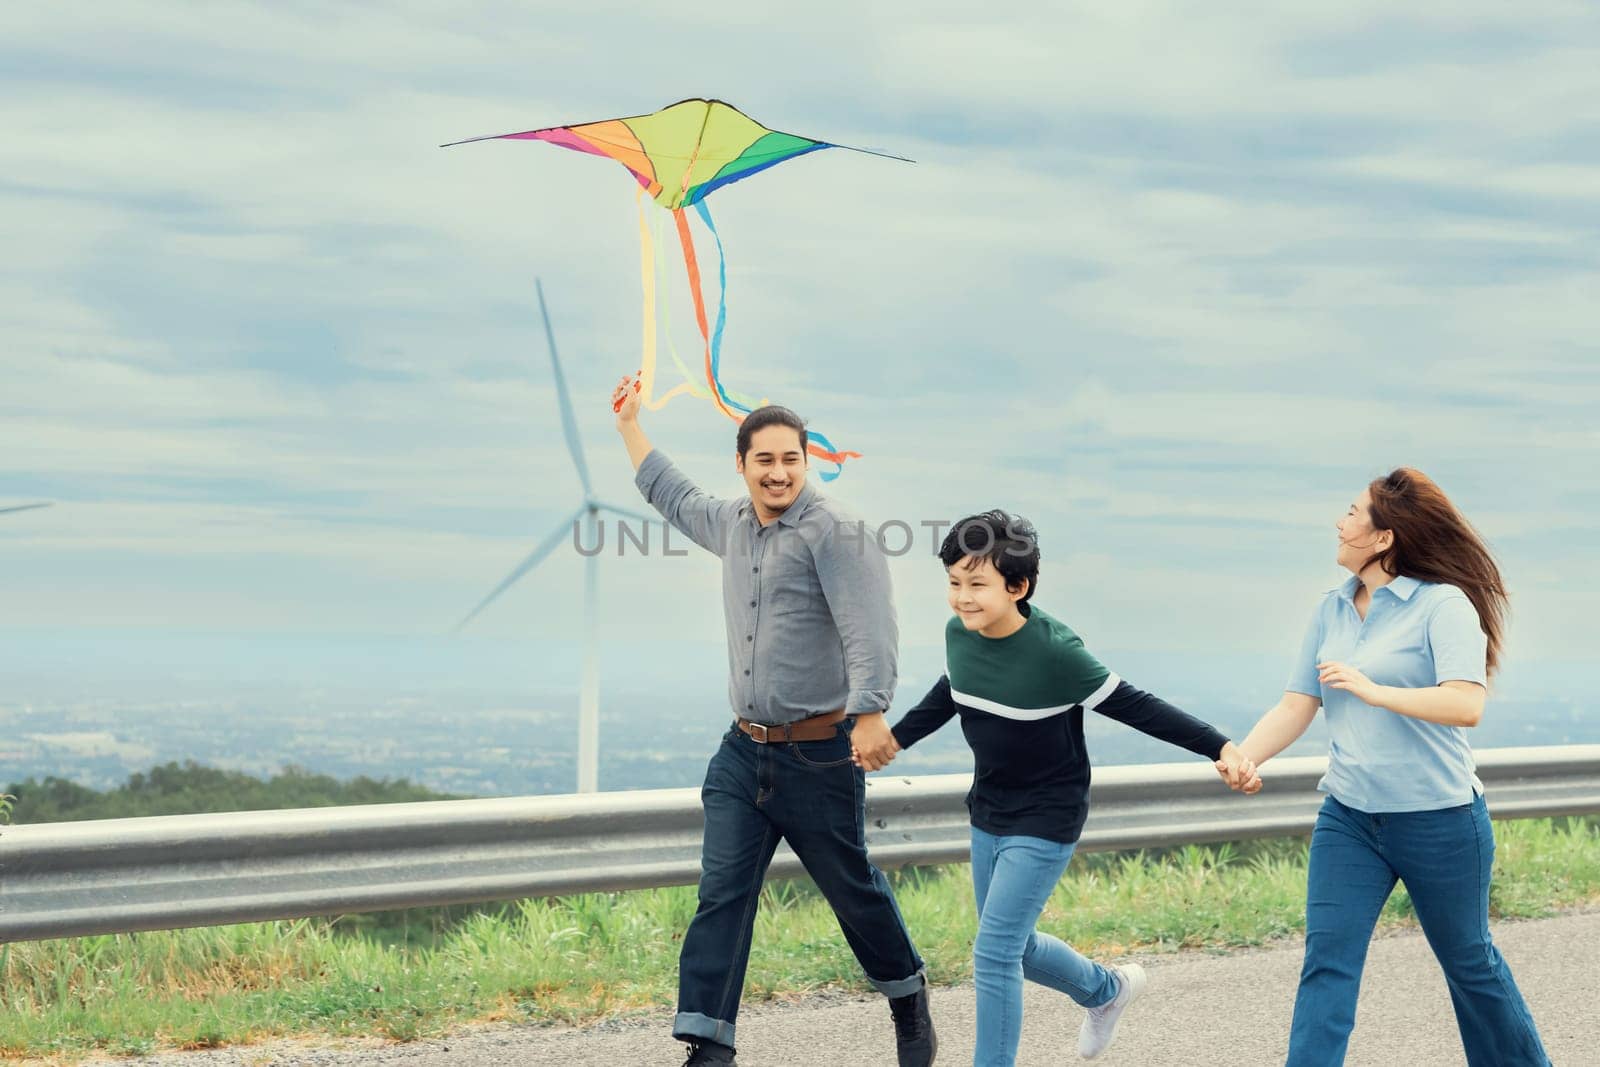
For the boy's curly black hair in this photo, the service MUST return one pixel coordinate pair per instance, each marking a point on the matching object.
(1007, 541)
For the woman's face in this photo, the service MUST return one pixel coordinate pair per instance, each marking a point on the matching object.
(1359, 541)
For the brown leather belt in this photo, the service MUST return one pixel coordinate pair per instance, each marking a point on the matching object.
(817, 728)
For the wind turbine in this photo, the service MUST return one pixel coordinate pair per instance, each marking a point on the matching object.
(23, 507)
(588, 512)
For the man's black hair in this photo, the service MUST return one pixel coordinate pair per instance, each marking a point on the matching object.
(770, 415)
(1007, 541)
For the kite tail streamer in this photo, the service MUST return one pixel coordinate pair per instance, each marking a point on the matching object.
(718, 397)
(824, 449)
(738, 400)
(818, 444)
(689, 383)
(647, 360)
(647, 356)
(722, 304)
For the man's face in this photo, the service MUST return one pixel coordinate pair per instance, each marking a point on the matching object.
(774, 469)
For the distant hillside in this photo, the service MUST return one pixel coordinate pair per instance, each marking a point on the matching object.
(190, 788)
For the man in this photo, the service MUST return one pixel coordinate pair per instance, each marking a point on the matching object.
(811, 658)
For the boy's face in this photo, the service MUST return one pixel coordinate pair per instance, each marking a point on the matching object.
(978, 594)
(774, 470)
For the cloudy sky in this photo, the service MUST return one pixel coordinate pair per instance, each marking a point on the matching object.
(1172, 280)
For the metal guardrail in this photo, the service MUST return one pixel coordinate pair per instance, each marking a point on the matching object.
(123, 875)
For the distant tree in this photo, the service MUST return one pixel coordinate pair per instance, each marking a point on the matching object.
(39, 801)
(190, 788)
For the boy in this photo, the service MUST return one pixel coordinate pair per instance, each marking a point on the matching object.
(1020, 680)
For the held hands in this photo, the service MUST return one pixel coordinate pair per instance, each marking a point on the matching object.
(1238, 771)
(1343, 676)
(872, 743)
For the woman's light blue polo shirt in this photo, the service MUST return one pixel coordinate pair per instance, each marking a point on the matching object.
(1416, 635)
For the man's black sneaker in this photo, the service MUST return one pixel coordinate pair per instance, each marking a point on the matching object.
(913, 1029)
(710, 1054)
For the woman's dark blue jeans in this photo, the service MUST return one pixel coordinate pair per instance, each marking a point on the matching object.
(1444, 858)
(809, 794)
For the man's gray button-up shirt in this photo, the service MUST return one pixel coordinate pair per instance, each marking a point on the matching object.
(815, 630)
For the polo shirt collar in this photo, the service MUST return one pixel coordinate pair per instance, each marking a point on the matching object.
(1402, 587)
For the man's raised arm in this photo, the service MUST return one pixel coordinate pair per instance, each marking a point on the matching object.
(701, 517)
(628, 422)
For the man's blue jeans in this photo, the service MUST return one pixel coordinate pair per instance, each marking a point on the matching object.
(809, 794)
(1012, 878)
(1444, 858)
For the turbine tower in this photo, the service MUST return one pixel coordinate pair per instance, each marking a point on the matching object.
(588, 512)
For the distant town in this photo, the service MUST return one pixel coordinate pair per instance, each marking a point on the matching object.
(517, 743)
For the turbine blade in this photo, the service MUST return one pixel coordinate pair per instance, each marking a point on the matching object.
(569, 423)
(628, 513)
(534, 558)
(23, 507)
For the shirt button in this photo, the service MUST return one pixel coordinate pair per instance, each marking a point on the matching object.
(747, 674)
(749, 637)
(752, 603)
(755, 570)
(750, 707)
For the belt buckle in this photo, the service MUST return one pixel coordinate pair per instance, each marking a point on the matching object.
(758, 726)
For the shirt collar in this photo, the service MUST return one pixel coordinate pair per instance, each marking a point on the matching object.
(1402, 587)
(790, 515)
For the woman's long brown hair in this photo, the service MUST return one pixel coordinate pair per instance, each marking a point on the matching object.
(1433, 542)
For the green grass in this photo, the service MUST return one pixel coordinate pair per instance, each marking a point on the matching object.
(581, 958)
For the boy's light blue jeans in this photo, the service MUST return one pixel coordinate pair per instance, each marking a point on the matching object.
(1444, 858)
(1012, 878)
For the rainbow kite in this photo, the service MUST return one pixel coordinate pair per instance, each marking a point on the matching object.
(680, 155)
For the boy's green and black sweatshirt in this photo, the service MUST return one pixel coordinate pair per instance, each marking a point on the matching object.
(1021, 700)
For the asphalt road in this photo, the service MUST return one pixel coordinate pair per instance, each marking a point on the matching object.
(1200, 1008)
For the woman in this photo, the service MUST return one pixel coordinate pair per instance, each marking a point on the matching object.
(1399, 658)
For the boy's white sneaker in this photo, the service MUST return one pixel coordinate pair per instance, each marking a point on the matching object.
(1100, 1027)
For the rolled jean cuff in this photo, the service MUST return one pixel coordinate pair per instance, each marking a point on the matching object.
(689, 1025)
(902, 987)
